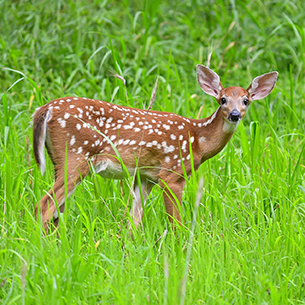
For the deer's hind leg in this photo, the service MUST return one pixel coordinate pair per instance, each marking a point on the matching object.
(46, 206)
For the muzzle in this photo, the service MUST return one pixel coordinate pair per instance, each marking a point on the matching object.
(234, 115)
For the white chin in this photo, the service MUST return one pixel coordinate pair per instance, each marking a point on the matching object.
(230, 126)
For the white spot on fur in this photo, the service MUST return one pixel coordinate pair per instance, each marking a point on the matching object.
(78, 126)
(80, 149)
(62, 122)
(169, 149)
(72, 141)
(167, 159)
(173, 137)
(67, 115)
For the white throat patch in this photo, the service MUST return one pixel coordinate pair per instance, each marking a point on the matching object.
(229, 127)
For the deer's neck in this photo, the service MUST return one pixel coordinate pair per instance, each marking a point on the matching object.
(214, 134)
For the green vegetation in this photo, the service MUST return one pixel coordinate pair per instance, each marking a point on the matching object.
(249, 245)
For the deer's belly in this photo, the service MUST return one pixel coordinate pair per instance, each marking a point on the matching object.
(109, 169)
(113, 170)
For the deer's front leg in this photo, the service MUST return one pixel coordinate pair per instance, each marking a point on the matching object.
(137, 206)
(172, 194)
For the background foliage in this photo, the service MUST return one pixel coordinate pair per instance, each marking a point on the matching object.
(249, 242)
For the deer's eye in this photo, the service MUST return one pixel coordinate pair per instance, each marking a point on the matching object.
(246, 102)
(223, 101)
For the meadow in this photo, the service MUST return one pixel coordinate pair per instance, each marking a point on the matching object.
(246, 244)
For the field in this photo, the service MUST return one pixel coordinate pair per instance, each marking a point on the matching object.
(246, 244)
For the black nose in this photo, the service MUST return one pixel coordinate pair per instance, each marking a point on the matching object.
(234, 115)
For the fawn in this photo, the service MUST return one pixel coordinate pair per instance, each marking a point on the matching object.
(92, 133)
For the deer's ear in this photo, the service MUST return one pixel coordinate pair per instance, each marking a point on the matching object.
(209, 81)
(262, 85)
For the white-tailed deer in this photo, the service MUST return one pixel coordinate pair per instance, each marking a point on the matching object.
(156, 143)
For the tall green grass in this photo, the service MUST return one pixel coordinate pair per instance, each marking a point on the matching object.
(248, 245)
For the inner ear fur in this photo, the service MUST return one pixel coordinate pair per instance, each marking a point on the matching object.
(209, 81)
(262, 85)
